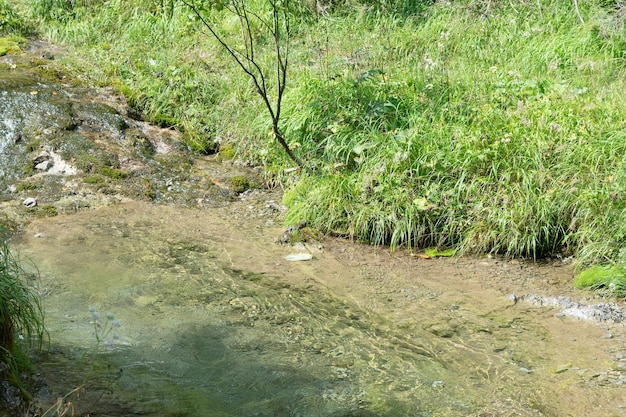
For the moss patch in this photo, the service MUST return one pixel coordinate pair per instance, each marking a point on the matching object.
(47, 211)
(598, 276)
(239, 184)
(26, 186)
(93, 179)
(8, 45)
(227, 152)
(112, 173)
(436, 253)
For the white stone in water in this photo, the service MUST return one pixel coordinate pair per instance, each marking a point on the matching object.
(30, 202)
(294, 257)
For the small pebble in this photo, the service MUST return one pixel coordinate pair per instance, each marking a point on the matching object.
(437, 384)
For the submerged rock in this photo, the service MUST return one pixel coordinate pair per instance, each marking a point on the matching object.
(295, 257)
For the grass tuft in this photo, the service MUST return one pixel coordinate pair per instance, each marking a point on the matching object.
(21, 314)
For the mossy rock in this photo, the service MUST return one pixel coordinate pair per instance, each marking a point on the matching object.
(309, 234)
(598, 276)
(199, 142)
(101, 116)
(8, 45)
(239, 184)
(139, 142)
(86, 155)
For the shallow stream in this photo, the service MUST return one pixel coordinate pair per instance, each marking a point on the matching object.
(215, 322)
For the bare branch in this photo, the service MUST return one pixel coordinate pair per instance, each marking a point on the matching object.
(279, 29)
(578, 12)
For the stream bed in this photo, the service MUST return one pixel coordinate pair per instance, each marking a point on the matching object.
(215, 322)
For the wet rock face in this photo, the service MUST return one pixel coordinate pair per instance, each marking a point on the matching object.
(69, 147)
(29, 109)
(41, 121)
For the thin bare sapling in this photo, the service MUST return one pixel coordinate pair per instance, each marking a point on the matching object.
(274, 23)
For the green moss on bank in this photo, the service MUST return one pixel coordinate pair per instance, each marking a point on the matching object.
(8, 45)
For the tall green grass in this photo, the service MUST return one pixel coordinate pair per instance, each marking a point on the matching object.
(487, 126)
(21, 315)
(12, 23)
(500, 133)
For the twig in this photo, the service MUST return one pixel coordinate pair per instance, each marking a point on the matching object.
(578, 12)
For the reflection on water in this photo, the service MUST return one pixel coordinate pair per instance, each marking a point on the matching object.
(201, 336)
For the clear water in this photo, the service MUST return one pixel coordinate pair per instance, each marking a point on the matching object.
(214, 322)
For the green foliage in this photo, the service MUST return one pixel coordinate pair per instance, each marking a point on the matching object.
(61, 10)
(486, 134)
(11, 22)
(405, 8)
(21, 315)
